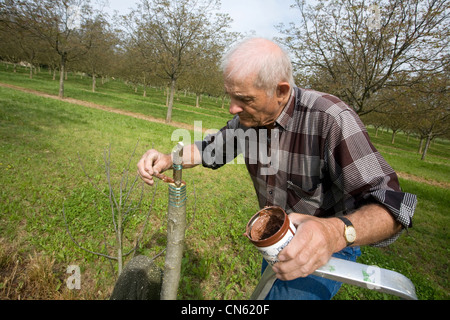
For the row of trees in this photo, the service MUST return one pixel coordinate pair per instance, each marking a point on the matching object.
(175, 43)
(388, 59)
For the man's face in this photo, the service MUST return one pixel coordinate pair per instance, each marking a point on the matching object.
(254, 106)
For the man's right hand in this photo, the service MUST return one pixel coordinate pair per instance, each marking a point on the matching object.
(153, 162)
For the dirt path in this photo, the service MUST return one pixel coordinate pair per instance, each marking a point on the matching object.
(100, 107)
(176, 124)
(407, 176)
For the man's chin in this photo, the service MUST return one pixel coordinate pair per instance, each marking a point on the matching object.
(248, 123)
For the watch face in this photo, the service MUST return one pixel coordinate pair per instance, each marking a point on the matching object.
(350, 234)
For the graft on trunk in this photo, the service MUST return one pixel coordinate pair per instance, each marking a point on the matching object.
(176, 228)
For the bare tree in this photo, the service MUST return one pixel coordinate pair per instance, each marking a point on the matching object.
(422, 108)
(64, 25)
(122, 206)
(356, 48)
(431, 97)
(172, 34)
(101, 55)
(126, 201)
(204, 75)
(10, 50)
(23, 45)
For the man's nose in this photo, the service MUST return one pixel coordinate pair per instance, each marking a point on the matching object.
(235, 108)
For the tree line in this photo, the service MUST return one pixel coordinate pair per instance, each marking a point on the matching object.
(160, 42)
(388, 59)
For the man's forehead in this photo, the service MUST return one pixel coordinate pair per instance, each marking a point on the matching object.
(239, 92)
(243, 87)
(239, 77)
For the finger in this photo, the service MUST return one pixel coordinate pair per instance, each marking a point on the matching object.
(298, 244)
(156, 162)
(148, 162)
(150, 182)
(302, 265)
(297, 218)
(294, 271)
(142, 169)
(145, 168)
(296, 258)
(294, 264)
(147, 179)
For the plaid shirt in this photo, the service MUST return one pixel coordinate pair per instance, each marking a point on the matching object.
(322, 162)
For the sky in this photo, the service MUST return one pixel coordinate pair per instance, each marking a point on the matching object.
(259, 16)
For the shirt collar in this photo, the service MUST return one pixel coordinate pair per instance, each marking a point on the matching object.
(288, 111)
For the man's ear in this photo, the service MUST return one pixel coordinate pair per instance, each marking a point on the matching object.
(283, 91)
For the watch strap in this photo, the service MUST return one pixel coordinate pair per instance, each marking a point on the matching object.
(346, 221)
(347, 224)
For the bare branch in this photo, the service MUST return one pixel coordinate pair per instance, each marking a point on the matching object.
(78, 244)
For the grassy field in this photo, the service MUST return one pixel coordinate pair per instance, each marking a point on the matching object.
(43, 140)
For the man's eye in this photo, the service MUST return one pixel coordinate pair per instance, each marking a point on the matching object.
(246, 99)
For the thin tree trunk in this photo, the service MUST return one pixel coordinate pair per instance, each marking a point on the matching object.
(145, 87)
(393, 136)
(176, 230)
(170, 106)
(197, 102)
(420, 145)
(94, 82)
(119, 243)
(61, 76)
(427, 145)
(166, 93)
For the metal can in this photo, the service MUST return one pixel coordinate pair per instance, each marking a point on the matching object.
(270, 230)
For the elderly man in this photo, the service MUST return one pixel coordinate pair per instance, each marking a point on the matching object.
(323, 167)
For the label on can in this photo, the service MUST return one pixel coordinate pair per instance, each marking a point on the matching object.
(270, 253)
(270, 230)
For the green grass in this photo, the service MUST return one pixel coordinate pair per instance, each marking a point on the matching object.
(421, 254)
(403, 156)
(41, 140)
(115, 93)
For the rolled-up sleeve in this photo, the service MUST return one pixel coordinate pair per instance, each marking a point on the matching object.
(402, 206)
(362, 173)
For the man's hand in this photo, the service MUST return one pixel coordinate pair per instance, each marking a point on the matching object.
(315, 241)
(153, 162)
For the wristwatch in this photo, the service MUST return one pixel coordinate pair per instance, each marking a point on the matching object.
(349, 231)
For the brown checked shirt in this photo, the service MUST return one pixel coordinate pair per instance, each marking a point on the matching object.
(318, 160)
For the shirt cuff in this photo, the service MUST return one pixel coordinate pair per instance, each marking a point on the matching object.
(401, 205)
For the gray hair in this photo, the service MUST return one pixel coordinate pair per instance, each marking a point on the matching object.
(262, 57)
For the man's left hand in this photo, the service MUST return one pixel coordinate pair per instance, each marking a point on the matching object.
(315, 241)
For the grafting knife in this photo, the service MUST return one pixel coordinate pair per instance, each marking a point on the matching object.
(370, 277)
